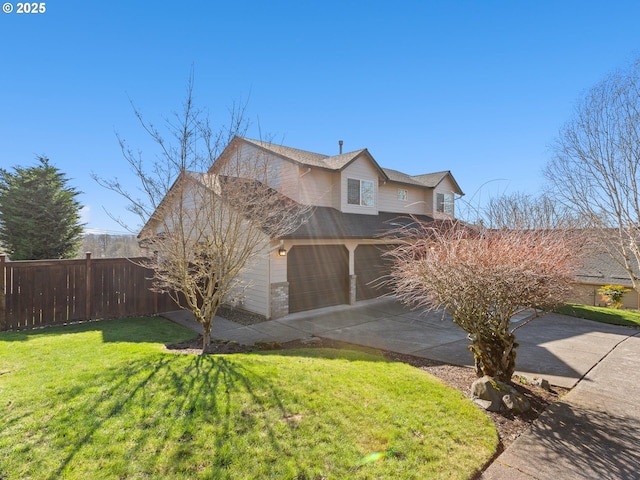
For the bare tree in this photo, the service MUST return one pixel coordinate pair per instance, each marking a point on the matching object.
(595, 169)
(482, 278)
(525, 211)
(208, 211)
(103, 245)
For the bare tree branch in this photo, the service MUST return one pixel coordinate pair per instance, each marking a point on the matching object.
(482, 278)
(207, 207)
(594, 170)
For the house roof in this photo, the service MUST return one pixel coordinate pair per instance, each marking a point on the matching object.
(339, 162)
(183, 177)
(434, 179)
(431, 180)
(300, 156)
(396, 176)
(311, 159)
(599, 268)
(329, 223)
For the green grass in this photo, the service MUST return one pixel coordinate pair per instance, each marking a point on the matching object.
(103, 400)
(630, 318)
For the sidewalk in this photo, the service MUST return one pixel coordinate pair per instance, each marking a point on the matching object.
(592, 432)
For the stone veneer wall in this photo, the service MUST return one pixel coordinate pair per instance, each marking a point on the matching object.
(279, 300)
(352, 289)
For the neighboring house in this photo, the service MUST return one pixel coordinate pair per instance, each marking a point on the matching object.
(336, 257)
(599, 270)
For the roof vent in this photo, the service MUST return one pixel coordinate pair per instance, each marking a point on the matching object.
(340, 144)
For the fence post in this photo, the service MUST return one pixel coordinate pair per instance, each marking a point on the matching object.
(87, 293)
(3, 302)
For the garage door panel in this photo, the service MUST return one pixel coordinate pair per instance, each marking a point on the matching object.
(318, 276)
(371, 269)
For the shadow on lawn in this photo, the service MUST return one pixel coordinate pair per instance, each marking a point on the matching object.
(159, 408)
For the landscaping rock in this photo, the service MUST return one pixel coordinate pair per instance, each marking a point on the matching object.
(493, 395)
(516, 403)
(485, 393)
(542, 383)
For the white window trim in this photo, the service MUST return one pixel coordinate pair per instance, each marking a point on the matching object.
(445, 203)
(362, 191)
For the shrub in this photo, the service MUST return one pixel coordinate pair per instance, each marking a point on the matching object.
(612, 295)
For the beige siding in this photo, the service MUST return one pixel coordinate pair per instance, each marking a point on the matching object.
(587, 294)
(446, 186)
(388, 199)
(336, 190)
(584, 295)
(174, 216)
(254, 283)
(278, 173)
(289, 174)
(360, 169)
(277, 264)
(316, 187)
(430, 201)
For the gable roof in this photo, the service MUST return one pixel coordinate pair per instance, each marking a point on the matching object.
(396, 176)
(434, 179)
(431, 180)
(339, 162)
(311, 159)
(299, 156)
(184, 178)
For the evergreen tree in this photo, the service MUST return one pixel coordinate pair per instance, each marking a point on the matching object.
(39, 213)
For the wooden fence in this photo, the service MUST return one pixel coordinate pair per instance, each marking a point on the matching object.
(54, 292)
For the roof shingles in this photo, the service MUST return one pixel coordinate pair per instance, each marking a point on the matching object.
(338, 162)
(329, 223)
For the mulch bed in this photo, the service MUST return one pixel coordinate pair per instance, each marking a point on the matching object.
(509, 426)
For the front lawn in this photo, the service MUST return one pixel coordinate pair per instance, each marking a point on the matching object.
(104, 400)
(629, 318)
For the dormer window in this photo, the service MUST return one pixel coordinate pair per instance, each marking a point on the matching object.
(360, 192)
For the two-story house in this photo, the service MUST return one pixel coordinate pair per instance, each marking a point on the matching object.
(336, 257)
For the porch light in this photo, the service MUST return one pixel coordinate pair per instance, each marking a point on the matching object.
(282, 252)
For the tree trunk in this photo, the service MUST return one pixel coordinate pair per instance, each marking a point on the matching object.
(495, 356)
(206, 340)
(206, 334)
(207, 324)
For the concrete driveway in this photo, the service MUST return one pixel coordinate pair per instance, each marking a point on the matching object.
(556, 347)
(590, 433)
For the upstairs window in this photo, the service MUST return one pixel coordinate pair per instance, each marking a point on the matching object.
(444, 203)
(360, 192)
(403, 194)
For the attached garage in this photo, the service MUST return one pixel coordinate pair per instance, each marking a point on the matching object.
(318, 276)
(371, 269)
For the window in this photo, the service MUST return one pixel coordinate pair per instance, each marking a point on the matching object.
(360, 192)
(403, 194)
(444, 203)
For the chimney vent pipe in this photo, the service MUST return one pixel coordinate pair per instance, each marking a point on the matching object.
(340, 144)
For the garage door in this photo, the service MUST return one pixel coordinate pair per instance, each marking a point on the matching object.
(371, 269)
(318, 276)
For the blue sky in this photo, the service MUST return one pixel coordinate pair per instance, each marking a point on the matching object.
(480, 88)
